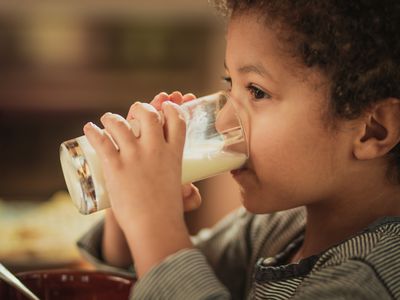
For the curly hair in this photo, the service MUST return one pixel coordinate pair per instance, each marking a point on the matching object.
(356, 44)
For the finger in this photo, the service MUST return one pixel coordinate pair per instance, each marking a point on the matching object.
(151, 122)
(156, 102)
(175, 126)
(135, 127)
(119, 129)
(188, 97)
(186, 190)
(193, 201)
(101, 142)
(176, 97)
(159, 99)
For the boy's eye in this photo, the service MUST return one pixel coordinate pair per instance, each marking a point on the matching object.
(257, 93)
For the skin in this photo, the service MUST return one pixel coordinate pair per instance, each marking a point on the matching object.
(295, 158)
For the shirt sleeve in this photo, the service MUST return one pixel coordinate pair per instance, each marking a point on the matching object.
(216, 269)
(184, 275)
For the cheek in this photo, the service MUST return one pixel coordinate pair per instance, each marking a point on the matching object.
(272, 151)
(291, 158)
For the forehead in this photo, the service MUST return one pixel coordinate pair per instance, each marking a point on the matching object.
(251, 42)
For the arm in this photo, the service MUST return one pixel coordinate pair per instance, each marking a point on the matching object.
(143, 182)
(107, 242)
(115, 248)
(221, 255)
(105, 245)
(157, 153)
(222, 251)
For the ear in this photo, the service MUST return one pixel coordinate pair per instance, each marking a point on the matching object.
(380, 130)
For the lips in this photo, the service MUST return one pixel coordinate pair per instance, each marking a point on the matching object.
(238, 172)
(247, 167)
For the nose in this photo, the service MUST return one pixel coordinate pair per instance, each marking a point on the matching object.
(230, 127)
(226, 118)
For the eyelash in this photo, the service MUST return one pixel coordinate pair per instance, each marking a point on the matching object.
(254, 90)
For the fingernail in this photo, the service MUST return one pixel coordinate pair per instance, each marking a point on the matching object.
(107, 114)
(95, 127)
(117, 116)
(89, 126)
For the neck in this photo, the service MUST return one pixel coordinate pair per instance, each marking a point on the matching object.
(333, 221)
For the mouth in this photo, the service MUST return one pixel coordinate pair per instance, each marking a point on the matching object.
(238, 172)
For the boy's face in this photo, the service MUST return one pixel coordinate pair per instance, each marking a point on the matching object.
(295, 159)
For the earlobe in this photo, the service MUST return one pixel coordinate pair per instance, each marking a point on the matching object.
(379, 131)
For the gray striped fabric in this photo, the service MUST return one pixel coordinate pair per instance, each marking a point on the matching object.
(243, 258)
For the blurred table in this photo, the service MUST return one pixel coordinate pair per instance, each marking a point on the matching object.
(42, 235)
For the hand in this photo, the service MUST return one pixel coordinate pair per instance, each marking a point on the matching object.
(143, 176)
(175, 97)
(143, 179)
(190, 193)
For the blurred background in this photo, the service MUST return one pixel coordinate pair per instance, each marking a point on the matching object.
(63, 63)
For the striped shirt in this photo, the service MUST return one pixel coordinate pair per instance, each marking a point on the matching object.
(245, 257)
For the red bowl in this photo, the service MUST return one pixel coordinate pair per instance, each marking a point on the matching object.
(71, 284)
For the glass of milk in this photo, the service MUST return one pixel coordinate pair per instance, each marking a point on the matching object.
(215, 143)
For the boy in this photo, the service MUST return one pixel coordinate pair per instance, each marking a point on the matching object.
(316, 86)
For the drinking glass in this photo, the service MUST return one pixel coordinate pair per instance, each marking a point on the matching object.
(215, 143)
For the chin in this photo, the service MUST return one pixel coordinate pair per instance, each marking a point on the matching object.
(255, 196)
(252, 200)
(249, 190)
(259, 201)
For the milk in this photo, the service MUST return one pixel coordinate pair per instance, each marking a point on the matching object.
(195, 168)
(82, 157)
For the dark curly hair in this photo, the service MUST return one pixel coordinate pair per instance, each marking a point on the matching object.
(355, 43)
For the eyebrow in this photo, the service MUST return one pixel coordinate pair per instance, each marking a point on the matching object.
(258, 69)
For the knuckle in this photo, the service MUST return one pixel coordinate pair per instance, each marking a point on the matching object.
(105, 141)
(120, 124)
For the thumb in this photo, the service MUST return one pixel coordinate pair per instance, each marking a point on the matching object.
(191, 197)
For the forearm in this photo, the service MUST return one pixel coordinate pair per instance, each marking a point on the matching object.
(115, 248)
(152, 240)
